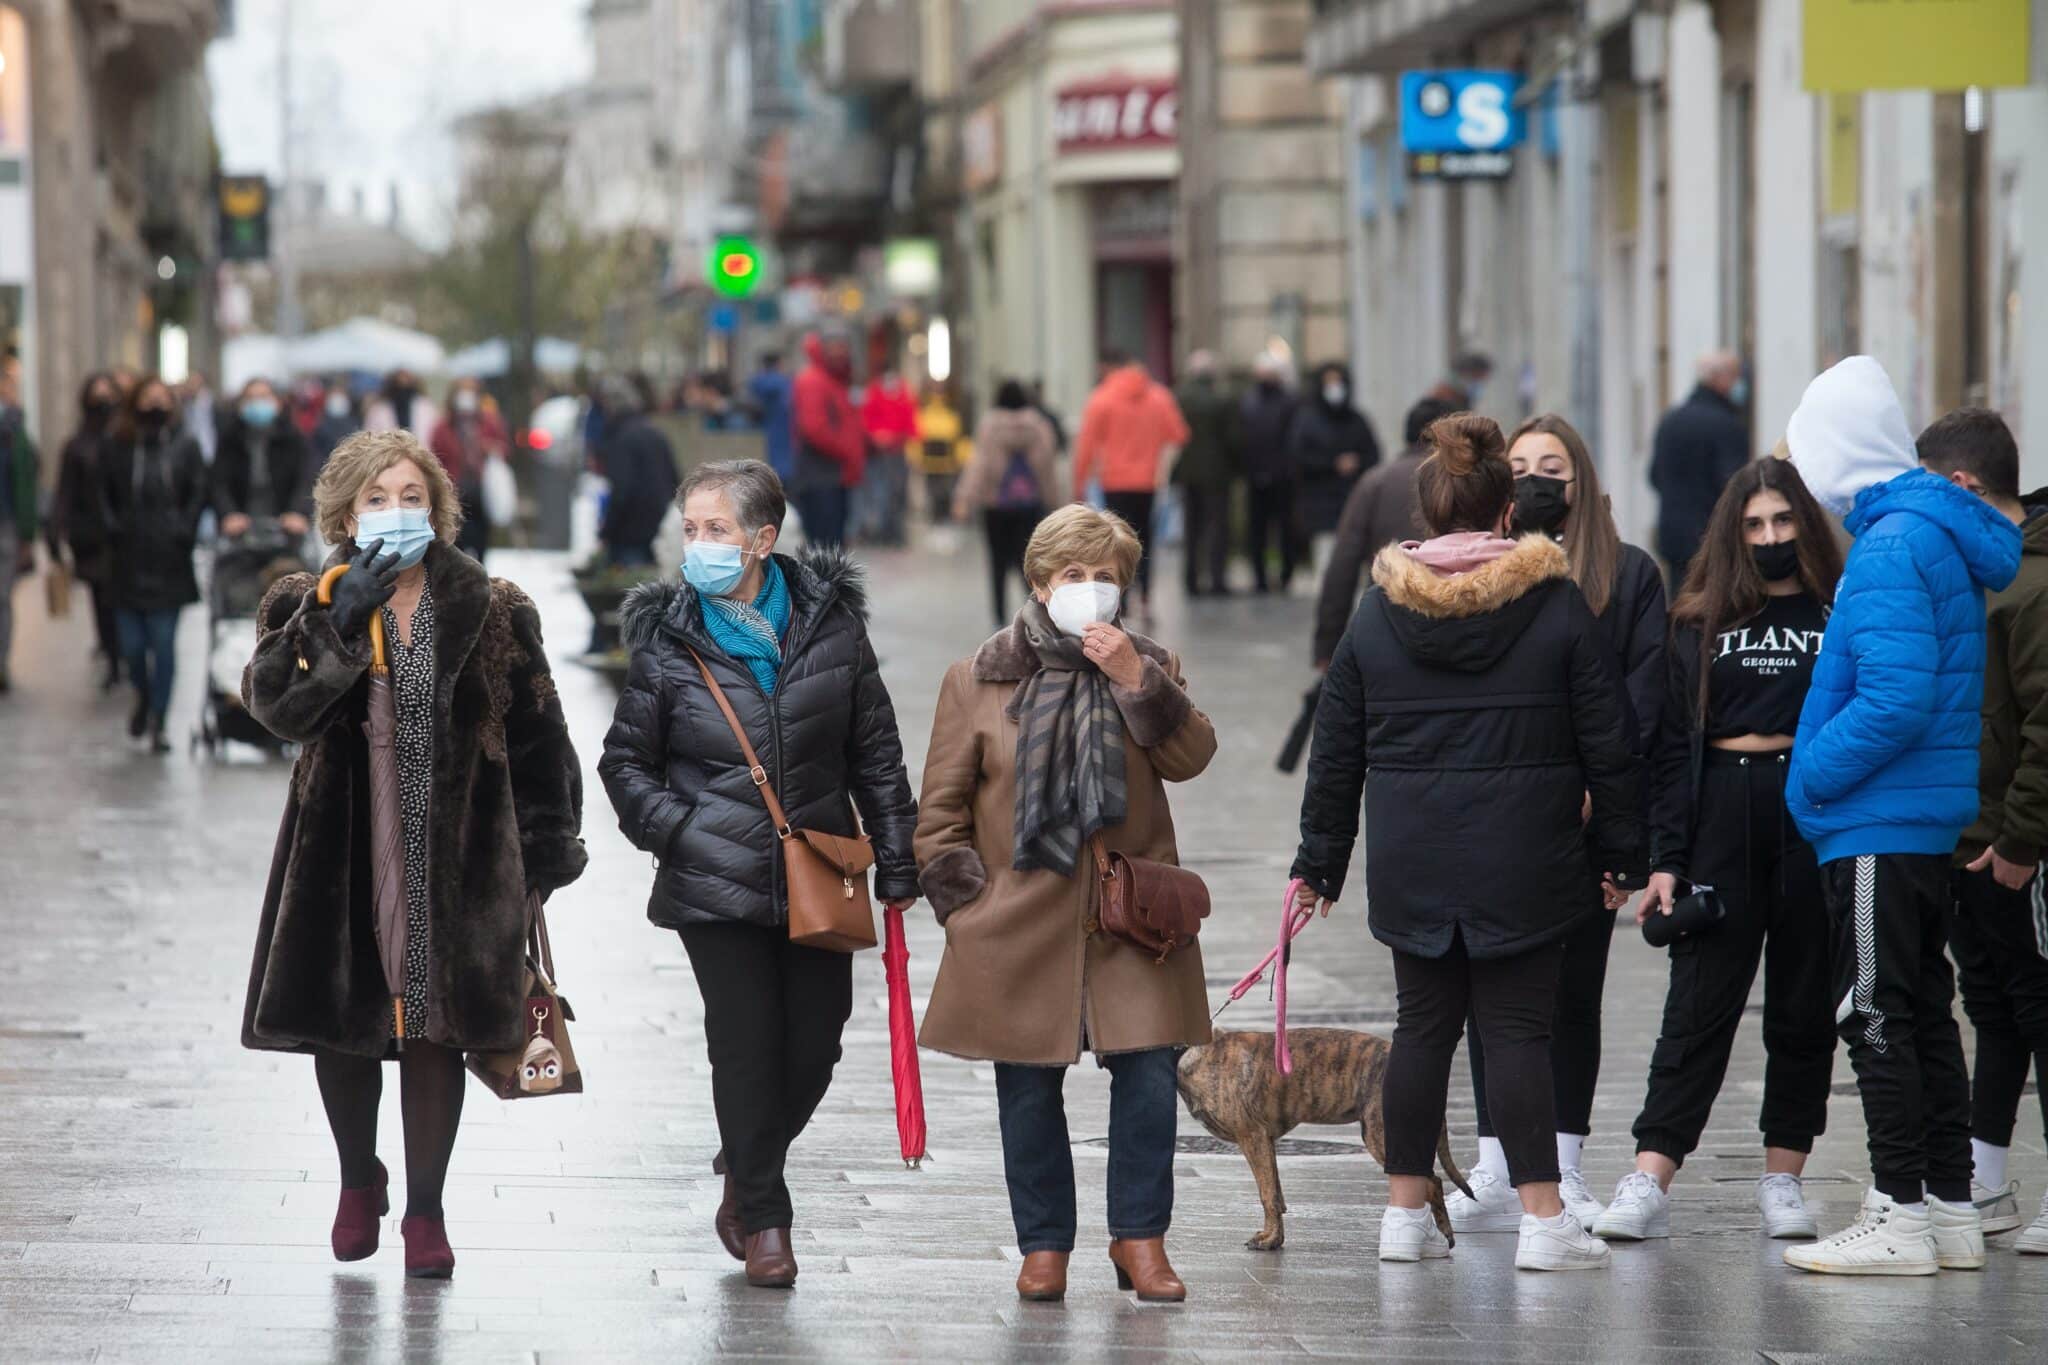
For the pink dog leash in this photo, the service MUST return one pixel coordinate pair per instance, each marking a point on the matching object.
(1292, 921)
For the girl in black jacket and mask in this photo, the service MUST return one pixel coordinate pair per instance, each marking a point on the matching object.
(1557, 493)
(1475, 704)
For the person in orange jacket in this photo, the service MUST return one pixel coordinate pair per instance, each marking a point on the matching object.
(1130, 431)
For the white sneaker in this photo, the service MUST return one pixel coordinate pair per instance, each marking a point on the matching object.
(2034, 1241)
(1493, 1207)
(1411, 1235)
(1884, 1240)
(1558, 1244)
(1571, 1187)
(1782, 1198)
(2000, 1209)
(1958, 1234)
(1640, 1210)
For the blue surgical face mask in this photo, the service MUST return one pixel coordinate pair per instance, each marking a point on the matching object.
(713, 567)
(405, 531)
(260, 412)
(1738, 392)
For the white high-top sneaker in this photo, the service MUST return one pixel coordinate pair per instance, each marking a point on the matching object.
(1411, 1235)
(2000, 1209)
(1493, 1207)
(1571, 1187)
(1640, 1210)
(1884, 1240)
(2034, 1241)
(1958, 1234)
(1782, 1199)
(1558, 1244)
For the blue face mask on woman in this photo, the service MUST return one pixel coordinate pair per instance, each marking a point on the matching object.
(405, 531)
(259, 412)
(712, 567)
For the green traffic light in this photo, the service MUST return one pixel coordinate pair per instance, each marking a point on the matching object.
(735, 267)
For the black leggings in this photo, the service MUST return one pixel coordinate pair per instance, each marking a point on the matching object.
(1512, 1000)
(1574, 1030)
(773, 1012)
(1136, 508)
(1996, 938)
(430, 1081)
(1009, 531)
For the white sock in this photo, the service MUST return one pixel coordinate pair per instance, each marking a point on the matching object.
(1570, 1146)
(1412, 1215)
(1493, 1158)
(1917, 1206)
(1565, 1219)
(1990, 1164)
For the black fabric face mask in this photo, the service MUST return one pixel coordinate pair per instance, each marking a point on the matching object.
(1776, 562)
(1540, 503)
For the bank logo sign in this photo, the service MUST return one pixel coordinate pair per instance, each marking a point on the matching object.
(1460, 125)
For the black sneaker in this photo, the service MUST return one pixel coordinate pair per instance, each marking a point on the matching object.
(138, 719)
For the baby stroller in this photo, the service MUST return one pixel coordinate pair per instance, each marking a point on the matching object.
(243, 570)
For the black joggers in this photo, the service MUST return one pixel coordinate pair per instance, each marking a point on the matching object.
(1894, 1004)
(1574, 1028)
(1512, 999)
(1746, 847)
(1997, 938)
(773, 1012)
(1009, 531)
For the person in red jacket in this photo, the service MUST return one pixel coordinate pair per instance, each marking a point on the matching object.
(1129, 432)
(831, 448)
(888, 414)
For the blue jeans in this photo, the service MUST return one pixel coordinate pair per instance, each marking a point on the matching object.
(1038, 1161)
(823, 510)
(149, 644)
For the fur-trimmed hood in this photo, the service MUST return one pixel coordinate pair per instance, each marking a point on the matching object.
(819, 578)
(1008, 655)
(1466, 621)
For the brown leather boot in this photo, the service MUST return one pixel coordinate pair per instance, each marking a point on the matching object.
(1141, 1264)
(770, 1263)
(731, 1235)
(1044, 1277)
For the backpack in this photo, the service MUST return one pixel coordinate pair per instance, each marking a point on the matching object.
(1018, 488)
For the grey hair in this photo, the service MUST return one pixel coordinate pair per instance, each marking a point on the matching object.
(756, 493)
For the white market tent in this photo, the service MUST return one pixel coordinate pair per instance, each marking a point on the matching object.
(360, 345)
(493, 358)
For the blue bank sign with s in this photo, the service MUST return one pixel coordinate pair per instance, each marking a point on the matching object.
(1460, 125)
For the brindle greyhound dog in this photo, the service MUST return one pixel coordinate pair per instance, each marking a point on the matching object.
(1234, 1087)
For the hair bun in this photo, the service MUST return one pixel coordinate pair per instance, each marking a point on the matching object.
(1464, 440)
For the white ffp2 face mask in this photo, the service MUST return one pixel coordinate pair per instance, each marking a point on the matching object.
(1075, 606)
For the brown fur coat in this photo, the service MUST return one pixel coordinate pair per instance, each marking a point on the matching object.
(505, 811)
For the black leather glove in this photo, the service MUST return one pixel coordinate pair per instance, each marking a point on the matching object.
(368, 585)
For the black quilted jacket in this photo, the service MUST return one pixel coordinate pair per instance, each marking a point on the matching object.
(828, 738)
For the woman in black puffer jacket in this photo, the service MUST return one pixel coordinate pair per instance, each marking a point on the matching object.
(787, 641)
(1475, 704)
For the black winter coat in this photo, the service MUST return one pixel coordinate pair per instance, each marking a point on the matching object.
(1318, 435)
(151, 498)
(285, 459)
(642, 471)
(1213, 456)
(1635, 626)
(77, 513)
(1474, 713)
(1264, 416)
(1698, 447)
(828, 738)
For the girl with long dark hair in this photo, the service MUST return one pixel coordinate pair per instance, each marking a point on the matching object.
(77, 517)
(1746, 629)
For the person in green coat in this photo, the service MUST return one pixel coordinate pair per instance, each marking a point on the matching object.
(1208, 467)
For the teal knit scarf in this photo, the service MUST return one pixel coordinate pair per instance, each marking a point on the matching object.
(752, 633)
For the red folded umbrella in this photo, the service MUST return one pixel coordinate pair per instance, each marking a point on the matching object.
(903, 1039)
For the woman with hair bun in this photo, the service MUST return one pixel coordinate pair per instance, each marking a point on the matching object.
(1475, 706)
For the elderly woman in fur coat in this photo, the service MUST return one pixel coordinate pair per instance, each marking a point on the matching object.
(1062, 729)
(786, 639)
(491, 799)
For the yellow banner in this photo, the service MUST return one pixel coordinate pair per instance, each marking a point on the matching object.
(1915, 44)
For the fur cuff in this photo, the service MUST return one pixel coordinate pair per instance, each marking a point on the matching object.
(1155, 709)
(953, 879)
(552, 862)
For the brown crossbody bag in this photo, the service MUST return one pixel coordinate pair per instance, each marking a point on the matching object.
(826, 874)
(1155, 907)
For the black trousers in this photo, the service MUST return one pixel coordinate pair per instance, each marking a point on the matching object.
(1996, 937)
(1574, 1029)
(1272, 523)
(1895, 994)
(1512, 999)
(1009, 531)
(1136, 508)
(1748, 850)
(105, 633)
(773, 1012)
(1206, 547)
(823, 508)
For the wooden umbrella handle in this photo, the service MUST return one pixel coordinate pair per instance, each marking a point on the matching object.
(326, 597)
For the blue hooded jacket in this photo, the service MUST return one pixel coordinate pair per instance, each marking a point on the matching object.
(1886, 756)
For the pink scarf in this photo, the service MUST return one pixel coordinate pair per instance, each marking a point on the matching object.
(1459, 552)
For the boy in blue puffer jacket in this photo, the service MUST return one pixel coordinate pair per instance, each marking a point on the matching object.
(1883, 782)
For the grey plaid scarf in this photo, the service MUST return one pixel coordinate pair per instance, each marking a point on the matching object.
(1070, 750)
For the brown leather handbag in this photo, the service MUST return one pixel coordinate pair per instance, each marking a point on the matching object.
(1155, 907)
(826, 875)
(544, 1064)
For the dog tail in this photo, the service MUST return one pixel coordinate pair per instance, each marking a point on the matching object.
(1450, 1165)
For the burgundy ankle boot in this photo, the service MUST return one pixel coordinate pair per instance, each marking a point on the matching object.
(356, 1219)
(427, 1253)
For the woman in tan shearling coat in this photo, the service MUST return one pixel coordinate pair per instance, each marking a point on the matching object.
(1102, 721)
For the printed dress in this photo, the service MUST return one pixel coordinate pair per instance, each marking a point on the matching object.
(412, 689)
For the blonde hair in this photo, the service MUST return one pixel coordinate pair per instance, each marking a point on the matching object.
(365, 457)
(1079, 534)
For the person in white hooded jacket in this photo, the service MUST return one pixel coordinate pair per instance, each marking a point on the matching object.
(1883, 782)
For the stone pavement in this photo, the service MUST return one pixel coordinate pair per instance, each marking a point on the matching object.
(165, 1195)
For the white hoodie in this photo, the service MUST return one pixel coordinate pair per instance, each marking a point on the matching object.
(1849, 433)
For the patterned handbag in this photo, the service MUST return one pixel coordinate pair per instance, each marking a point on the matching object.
(545, 1064)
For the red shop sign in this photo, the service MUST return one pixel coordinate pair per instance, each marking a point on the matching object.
(1118, 113)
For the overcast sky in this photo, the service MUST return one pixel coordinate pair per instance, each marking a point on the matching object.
(375, 83)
